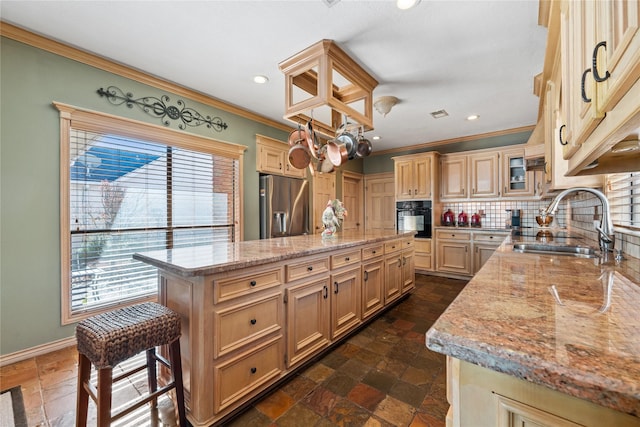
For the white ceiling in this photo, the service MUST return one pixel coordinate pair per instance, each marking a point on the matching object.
(467, 57)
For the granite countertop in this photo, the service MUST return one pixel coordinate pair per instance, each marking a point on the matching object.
(219, 257)
(567, 323)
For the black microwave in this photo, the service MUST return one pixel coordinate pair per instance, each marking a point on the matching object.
(414, 216)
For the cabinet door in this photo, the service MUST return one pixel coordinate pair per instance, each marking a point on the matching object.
(481, 253)
(454, 257)
(578, 41)
(516, 180)
(345, 301)
(404, 179)
(485, 174)
(324, 189)
(422, 256)
(271, 160)
(307, 319)
(454, 177)
(618, 26)
(393, 276)
(408, 271)
(372, 287)
(422, 178)
(289, 170)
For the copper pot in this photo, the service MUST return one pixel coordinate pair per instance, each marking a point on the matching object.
(297, 136)
(350, 143)
(364, 147)
(337, 153)
(299, 156)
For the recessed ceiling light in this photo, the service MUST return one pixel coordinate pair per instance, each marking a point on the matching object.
(406, 4)
(260, 79)
(376, 138)
(473, 117)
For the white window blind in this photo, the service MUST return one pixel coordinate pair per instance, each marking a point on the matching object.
(623, 192)
(128, 195)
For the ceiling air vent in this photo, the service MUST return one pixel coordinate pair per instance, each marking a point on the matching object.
(330, 3)
(439, 114)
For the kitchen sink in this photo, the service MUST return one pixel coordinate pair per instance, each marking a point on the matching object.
(571, 250)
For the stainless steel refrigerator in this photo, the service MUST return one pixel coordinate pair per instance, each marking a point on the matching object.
(284, 206)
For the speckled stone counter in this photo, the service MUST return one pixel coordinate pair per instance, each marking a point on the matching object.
(221, 257)
(567, 323)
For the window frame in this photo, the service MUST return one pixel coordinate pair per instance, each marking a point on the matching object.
(93, 121)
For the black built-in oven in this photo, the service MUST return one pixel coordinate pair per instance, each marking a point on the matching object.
(414, 216)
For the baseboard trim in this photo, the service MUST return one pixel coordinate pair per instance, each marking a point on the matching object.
(19, 356)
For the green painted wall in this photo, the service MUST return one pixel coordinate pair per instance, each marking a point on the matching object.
(30, 79)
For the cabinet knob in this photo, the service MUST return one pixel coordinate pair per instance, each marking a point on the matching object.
(310, 268)
(596, 75)
(254, 370)
(253, 283)
(346, 258)
(253, 321)
(373, 252)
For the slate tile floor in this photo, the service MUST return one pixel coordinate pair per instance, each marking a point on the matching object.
(383, 376)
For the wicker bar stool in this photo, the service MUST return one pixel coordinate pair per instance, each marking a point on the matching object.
(107, 339)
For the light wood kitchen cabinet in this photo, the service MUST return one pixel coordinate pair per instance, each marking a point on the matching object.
(484, 245)
(308, 311)
(324, 189)
(408, 270)
(346, 306)
(372, 285)
(414, 177)
(399, 268)
(516, 181)
(454, 251)
(485, 174)
(423, 254)
(273, 158)
(453, 181)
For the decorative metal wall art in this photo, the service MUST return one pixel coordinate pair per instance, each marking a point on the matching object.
(158, 107)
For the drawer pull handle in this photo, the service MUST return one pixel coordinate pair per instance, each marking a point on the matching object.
(336, 289)
(346, 259)
(373, 252)
(366, 275)
(582, 84)
(560, 135)
(310, 268)
(326, 292)
(253, 321)
(254, 370)
(253, 283)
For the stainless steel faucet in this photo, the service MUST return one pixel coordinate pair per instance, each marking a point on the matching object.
(605, 230)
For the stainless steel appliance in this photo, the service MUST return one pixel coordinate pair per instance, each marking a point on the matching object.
(284, 206)
(414, 216)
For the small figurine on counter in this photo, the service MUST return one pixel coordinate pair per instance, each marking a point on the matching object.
(463, 219)
(475, 220)
(332, 218)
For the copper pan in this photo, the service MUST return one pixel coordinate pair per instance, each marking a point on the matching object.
(297, 136)
(299, 156)
(337, 153)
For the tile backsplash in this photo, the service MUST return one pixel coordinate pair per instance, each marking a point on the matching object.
(577, 213)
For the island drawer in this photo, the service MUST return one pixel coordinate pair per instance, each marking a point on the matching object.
(345, 258)
(392, 246)
(247, 373)
(305, 268)
(408, 243)
(453, 235)
(249, 282)
(245, 323)
(372, 251)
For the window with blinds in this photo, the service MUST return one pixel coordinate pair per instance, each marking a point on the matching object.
(128, 187)
(623, 192)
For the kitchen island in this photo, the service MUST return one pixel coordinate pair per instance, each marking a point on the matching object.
(254, 312)
(543, 340)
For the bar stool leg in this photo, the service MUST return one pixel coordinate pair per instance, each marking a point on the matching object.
(104, 396)
(152, 379)
(82, 400)
(176, 371)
